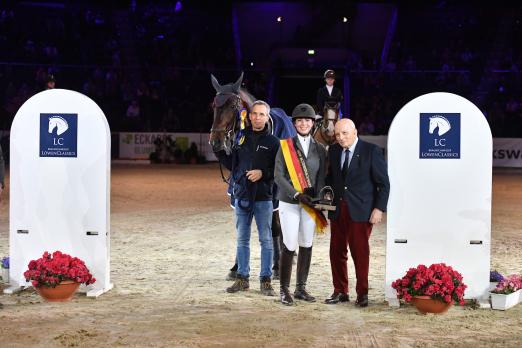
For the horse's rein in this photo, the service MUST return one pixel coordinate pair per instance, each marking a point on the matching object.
(229, 131)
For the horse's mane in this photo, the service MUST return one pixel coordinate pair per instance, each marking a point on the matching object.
(59, 117)
(444, 118)
(247, 98)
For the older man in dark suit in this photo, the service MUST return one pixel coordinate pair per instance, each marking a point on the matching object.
(359, 178)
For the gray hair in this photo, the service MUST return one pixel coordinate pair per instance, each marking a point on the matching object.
(262, 102)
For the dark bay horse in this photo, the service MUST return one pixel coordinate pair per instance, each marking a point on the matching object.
(324, 129)
(230, 102)
(230, 99)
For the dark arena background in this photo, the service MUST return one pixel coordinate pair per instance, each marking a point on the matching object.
(147, 64)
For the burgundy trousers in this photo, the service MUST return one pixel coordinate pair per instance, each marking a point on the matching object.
(347, 233)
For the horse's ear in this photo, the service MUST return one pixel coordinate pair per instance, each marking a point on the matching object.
(237, 85)
(215, 83)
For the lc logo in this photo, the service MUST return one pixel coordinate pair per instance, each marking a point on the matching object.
(439, 142)
(442, 125)
(61, 126)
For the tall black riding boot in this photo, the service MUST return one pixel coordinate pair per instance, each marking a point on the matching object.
(303, 268)
(285, 273)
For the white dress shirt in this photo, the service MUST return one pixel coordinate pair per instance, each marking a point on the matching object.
(330, 89)
(305, 143)
(351, 149)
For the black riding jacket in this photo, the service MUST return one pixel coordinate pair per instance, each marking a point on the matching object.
(257, 151)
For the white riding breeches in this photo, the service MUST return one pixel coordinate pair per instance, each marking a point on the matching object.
(297, 226)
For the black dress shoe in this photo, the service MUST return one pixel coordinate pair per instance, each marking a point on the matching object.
(362, 301)
(337, 297)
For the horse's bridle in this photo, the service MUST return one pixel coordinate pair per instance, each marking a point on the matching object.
(230, 131)
(323, 123)
(219, 100)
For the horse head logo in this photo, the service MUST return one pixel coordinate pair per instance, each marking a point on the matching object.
(441, 123)
(59, 123)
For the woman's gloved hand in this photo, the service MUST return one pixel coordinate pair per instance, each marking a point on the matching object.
(305, 199)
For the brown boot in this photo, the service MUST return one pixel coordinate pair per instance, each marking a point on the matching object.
(241, 284)
(303, 268)
(285, 273)
(266, 287)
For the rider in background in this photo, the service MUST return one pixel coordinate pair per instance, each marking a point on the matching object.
(328, 93)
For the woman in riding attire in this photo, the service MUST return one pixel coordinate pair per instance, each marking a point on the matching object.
(300, 176)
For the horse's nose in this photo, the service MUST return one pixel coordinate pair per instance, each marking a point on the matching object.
(216, 144)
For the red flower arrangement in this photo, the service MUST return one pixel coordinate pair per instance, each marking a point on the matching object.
(438, 281)
(50, 270)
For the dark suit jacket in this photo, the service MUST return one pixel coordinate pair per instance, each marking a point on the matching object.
(323, 97)
(366, 186)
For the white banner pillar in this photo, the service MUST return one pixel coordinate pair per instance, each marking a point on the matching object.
(440, 169)
(60, 185)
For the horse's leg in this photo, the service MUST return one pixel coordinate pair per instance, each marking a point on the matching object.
(276, 239)
(232, 272)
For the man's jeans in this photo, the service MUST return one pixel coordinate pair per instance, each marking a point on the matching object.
(262, 212)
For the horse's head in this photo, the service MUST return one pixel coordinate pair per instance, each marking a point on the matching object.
(226, 105)
(441, 123)
(327, 124)
(60, 123)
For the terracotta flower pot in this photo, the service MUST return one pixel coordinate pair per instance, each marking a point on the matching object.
(61, 293)
(426, 304)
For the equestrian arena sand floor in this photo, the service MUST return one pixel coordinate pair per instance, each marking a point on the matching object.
(172, 243)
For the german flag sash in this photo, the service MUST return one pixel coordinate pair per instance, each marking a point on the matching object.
(296, 166)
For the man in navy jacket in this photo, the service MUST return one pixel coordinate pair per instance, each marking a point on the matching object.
(359, 179)
(252, 179)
